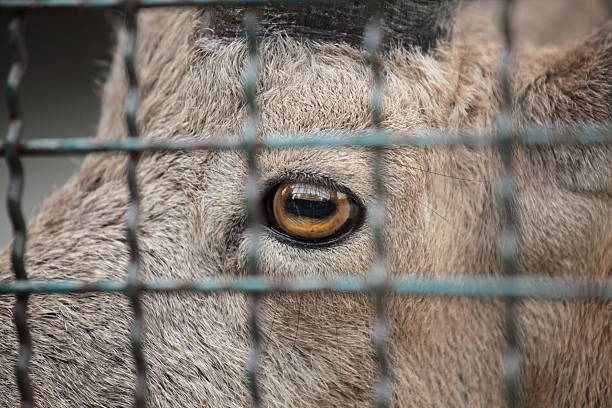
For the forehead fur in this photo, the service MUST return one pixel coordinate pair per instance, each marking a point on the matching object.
(192, 87)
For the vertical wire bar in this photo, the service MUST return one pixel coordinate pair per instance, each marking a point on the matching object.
(252, 200)
(133, 275)
(378, 273)
(507, 142)
(14, 196)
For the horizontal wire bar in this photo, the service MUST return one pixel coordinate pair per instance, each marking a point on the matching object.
(478, 287)
(38, 4)
(532, 136)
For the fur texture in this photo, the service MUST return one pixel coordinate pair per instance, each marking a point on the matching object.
(445, 352)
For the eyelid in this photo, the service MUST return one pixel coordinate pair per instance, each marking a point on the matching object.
(314, 177)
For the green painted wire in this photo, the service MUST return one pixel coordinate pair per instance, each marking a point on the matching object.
(507, 137)
(249, 144)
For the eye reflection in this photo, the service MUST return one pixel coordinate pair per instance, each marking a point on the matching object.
(310, 212)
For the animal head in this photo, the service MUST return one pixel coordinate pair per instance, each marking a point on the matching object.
(441, 219)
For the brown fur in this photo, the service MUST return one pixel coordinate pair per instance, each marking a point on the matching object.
(445, 352)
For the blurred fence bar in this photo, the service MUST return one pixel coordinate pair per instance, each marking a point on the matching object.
(14, 198)
(378, 271)
(34, 4)
(474, 287)
(509, 236)
(531, 136)
(249, 144)
(133, 269)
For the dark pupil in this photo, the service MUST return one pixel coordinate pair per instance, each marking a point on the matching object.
(310, 208)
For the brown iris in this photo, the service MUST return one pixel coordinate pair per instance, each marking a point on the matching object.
(310, 212)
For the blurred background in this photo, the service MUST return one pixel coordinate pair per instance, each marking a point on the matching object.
(69, 52)
(68, 55)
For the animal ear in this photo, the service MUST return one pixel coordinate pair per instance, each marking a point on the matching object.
(415, 23)
(574, 85)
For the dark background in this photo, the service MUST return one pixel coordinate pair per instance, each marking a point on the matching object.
(68, 56)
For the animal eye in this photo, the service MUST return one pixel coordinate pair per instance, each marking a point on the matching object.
(311, 213)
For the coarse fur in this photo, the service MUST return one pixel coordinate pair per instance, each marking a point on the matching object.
(441, 217)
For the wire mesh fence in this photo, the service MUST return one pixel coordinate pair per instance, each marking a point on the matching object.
(508, 287)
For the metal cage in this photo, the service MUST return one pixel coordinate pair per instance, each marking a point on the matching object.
(508, 287)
